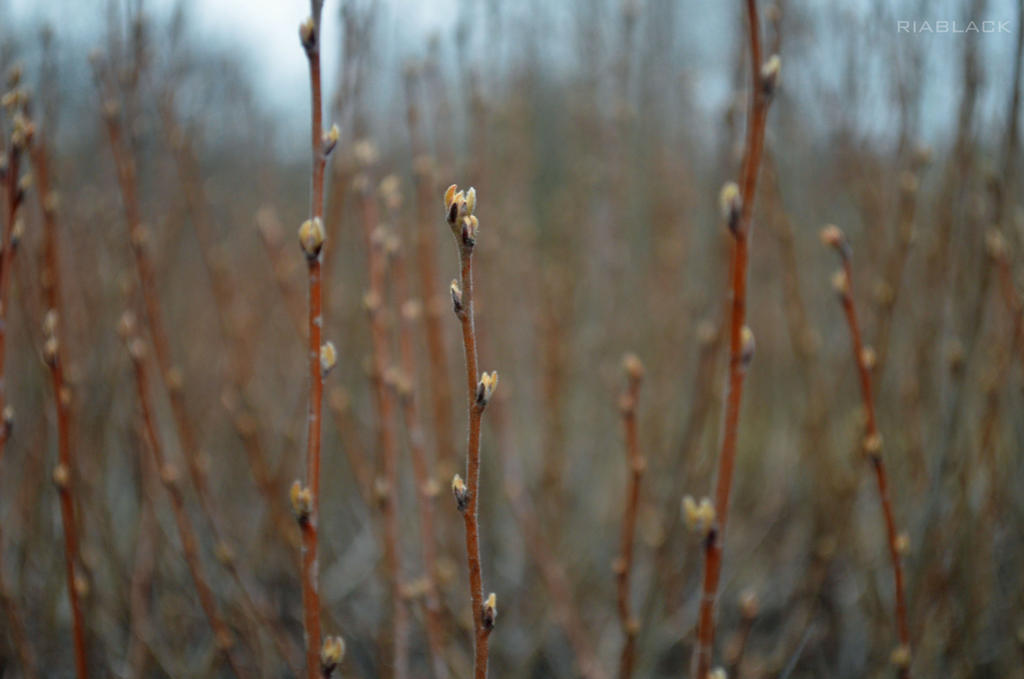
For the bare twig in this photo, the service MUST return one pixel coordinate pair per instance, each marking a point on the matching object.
(636, 465)
(864, 359)
(459, 208)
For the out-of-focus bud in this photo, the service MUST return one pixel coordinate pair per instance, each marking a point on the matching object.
(328, 357)
(995, 244)
(901, 656)
(307, 34)
(330, 139)
(633, 367)
(331, 653)
(868, 358)
(717, 673)
(872, 445)
(312, 236)
(747, 345)
(841, 283)
(731, 203)
(61, 476)
(770, 71)
(902, 543)
(749, 604)
(698, 517)
(302, 501)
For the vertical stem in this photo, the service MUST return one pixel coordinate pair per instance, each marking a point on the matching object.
(310, 569)
(426, 485)
(873, 451)
(186, 532)
(737, 369)
(624, 564)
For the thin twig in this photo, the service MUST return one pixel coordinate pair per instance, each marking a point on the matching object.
(872, 445)
(169, 475)
(636, 465)
(459, 211)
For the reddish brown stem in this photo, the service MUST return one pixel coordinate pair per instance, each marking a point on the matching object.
(186, 532)
(760, 98)
(385, 436)
(872, 447)
(62, 398)
(433, 297)
(470, 513)
(426, 485)
(624, 564)
(310, 570)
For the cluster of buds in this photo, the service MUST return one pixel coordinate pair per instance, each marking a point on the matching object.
(485, 388)
(490, 611)
(461, 493)
(698, 517)
(770, 71)
(302, 501)
(459, 208)
(312, 236)
(328, 357)
(331, 653)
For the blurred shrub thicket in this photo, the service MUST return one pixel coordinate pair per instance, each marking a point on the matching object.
(597, 135)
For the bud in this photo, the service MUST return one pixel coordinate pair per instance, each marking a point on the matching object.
(747, 345)
(471, 200)
(224, 553)
(749, 604)
(50, 322)
(330, 139)
(126, 326)
(312, 236)
(872, 445)
(731, 203)
(331, 653)
(61, 476)
(302, 501)
(633, 366)
(50, 347)
(8, 418)
(841, 283)
(868, 358)
(455, 205)
(328, 357)
(460, 492)
(169, 474)
(490, 611)
(470, 228)
(698, 517)
(307, 34)
(717, 673)
(770, 71)
(901, 656)
(902, 543)
(995, 244)
(485, 389)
